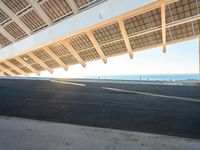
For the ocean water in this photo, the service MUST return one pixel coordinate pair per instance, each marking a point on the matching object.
(152, 77)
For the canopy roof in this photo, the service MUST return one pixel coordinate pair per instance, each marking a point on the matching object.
(157, 24)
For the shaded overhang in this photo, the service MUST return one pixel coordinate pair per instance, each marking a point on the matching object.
(110, 28)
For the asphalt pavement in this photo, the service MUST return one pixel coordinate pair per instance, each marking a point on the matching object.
(160, 109)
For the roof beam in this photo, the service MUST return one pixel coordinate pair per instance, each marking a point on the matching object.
(125, 37)
(68, 46)
(26, 12)
(42, 2)
(56, 58)
(6, 34)
(40, 62)
(41, 12)
(96, 46)
(7, 71)
(15, 68)
(14, 17)
(163, 18)
(73, 6)
(182, 21)
(169, 25)
(72, 28)
(28, 66)
(197, 4)
(43, 37)
(2, 73)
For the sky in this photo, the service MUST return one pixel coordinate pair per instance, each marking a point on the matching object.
(180, 58)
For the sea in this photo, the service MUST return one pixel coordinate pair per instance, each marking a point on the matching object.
(150, 77)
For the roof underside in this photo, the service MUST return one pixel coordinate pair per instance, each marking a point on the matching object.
(135, 31)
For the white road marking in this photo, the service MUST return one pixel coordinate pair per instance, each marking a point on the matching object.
(151, 94)
(70, 83)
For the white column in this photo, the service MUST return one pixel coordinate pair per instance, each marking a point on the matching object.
(199, 57)
(163, 17)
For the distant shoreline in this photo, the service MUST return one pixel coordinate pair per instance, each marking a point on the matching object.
(151, 82)
(151, 78)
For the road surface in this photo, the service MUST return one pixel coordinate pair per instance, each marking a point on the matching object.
(160, 109)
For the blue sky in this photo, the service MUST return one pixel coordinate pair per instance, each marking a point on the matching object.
(180, 58)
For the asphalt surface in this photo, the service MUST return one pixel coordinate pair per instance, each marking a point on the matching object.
(91, 105)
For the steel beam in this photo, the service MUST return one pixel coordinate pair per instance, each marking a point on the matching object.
(163, 20)
(125, 37)
(14, 17)
(15, 68)
(27, 65)
(40, 62)
(7, 71)
(68, 46)
(70, 26)
(41, 12)
(7, 34)
(96, 46)
(56, 58)
(73, 6)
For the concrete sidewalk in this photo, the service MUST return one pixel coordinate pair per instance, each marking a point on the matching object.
(21, 134)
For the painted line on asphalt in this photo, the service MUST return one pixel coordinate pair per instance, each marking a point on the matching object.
(69, 83)
(152, 94)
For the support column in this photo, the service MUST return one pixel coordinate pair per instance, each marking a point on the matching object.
(163, 18)
(199, 57)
